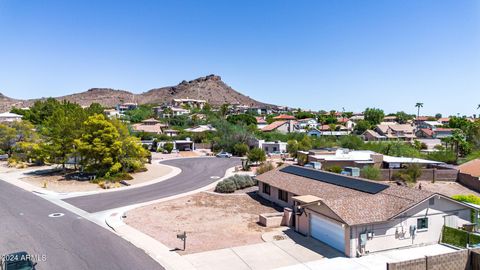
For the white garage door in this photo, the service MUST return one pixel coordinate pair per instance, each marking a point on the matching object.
(327, 231)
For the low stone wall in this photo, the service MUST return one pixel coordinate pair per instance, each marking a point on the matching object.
(427, 174)
(469, 181)
(459, 260)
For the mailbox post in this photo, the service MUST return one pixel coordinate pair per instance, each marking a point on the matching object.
(183, 237)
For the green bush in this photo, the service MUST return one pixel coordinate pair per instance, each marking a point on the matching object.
(473, 239)
(454, 237)
(226, 186)
(370, 172)
(168, 146)
(242, 181)
(334, 169)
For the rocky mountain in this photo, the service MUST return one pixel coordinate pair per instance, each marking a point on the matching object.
(210, 88)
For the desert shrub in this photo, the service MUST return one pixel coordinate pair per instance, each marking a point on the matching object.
(265, 167)
(256, 155)
(226, 186)
(243, 181)
(334, 169)
(370, 172)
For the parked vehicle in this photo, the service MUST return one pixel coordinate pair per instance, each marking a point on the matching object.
(224, 155)
(17, 261)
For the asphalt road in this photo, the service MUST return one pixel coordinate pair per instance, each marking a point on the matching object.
(67, 242)
(196, 173)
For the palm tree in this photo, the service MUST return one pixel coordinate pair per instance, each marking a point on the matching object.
(419, 105)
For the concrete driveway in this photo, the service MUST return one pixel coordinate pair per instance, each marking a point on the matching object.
(268, 255)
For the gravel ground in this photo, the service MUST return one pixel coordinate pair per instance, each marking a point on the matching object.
(211, 221)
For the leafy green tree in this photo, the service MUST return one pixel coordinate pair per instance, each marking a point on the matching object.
(370, 172)
(351, 142)
(223, 110)
(292, 147)
(41, 110)
(305, 144)
(374, 116)
(240, 149)
(60, 130)
(94, 108)
(403, 117)
(139, 114)
(242, 119)
(13, 133)
(303, 115)
(256, 155)
(106, 148)
(362, 126)
(438, 116)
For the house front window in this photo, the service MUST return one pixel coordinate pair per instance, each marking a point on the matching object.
(283, 195)
(422, 223)
(266, 188)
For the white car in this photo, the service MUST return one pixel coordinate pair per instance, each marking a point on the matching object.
(224, 155)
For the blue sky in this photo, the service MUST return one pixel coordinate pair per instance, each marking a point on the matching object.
(310, 54)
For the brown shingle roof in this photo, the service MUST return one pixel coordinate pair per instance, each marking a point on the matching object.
(284, 117)
(472, 167)
(352, 206)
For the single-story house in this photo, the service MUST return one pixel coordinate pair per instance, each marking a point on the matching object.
(151, 125)
(358, 216)
(372, 135)
(171, 132)
(268, 147)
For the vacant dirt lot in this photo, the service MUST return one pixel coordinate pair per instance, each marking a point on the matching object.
(212, 221)
(446, 188)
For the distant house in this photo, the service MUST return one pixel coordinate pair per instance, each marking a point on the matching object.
(189, 102)
(169, 111)
(200, 129)
(358, 216)
(307, 123)
(124, 107)
(151, 125)
(279, 126)
(472, 168)
(259, 110)
(372, 135)
(390, 119)
(268, 147)
(261, 122)
(10, 117)
(435, 133)
(403, 132)
(171, 132)
(444, 120)
(325, 130)
(429, 124)
(112, 113)
(284, 117)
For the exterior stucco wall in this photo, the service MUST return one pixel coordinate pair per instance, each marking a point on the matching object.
(388, 235)
(273, 197)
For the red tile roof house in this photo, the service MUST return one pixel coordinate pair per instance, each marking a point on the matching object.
(284, 117)
(436, 133)
(280, 126)
(358, 216)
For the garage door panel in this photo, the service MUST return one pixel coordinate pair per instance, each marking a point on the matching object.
(329, 232)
